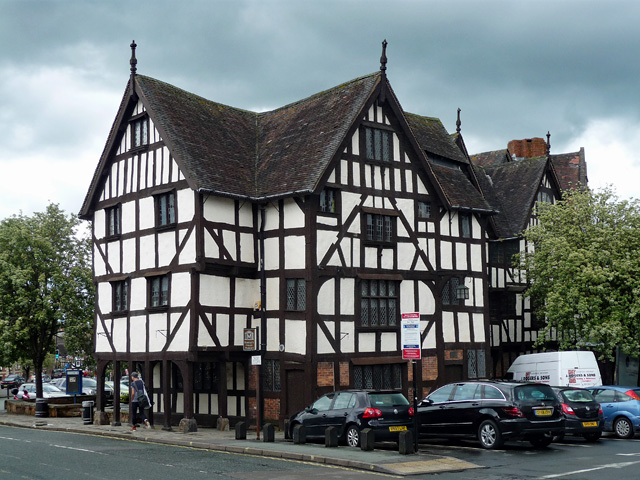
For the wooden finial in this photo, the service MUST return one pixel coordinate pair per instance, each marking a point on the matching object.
(383, 57)
(458, 122)
(548, 143)
(133, 60)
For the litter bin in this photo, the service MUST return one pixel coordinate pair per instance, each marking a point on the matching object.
(87, 412)
(42, 407)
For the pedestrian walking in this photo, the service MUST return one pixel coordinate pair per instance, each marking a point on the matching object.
(140, 401)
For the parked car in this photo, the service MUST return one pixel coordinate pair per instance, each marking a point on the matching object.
(621, 408)
(124, 391)
(48, 391)
(89, 387)
(582, 413)
(12, 381)
(386, 412)
(57, 373)
(492, 412)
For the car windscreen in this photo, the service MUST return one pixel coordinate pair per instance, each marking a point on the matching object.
(534, 393)
(578, 396)
(387, 399)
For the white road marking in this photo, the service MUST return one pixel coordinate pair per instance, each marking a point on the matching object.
(601, 467)
(76, 449)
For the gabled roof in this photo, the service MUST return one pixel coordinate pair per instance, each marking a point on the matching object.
(486, 159)
(571, 169)
(433, 138)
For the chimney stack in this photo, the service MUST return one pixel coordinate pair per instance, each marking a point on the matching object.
(527, 148)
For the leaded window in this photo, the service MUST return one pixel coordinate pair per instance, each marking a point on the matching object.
(120, 293)
(378, 377)
(113, 221)
(205, 377)
(449, 294)
(328, 199)
(166, 209)
(424, 210)
(271, 375)
(296, 294)
(379, 303)
(378, 144)
(465, 225)
(140, 132)
(476, 364)
(159, 291)
(380, 228)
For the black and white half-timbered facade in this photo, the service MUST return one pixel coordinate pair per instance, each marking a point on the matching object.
(319, 223)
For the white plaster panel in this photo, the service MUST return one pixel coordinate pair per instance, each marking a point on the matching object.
(448, 328)
(112, 182)
(478, 292)
(247, 292)
(273, 293)
(180, 341)
(186, 207)
(180, 289)
(347, 337)
(294, 257)
(445, 224)
(330, 221)
(455, 224)
(377, 178)
(356, 173)
(175, 171)
(121, 178)
(388, 342)
(138, 334)
(355, 248)
(138, 294)
(293, 216)
(347, 296)
(396, 147)
(323, 342)
(495, 333)
(222, 329)
(326, 298)
(478, 327)
(397, 176)
(406, 251)
(426, 301)
(408, 176)
(147, 213)
(142, 174)
(366, 342)
(273, 334)
(463, 327)
(120, 334)
(219, 209)
(271, 256)
(99, 266)
(238, 331)
(324, 240)
(211, 249)
(446, 258)
(349, 202)
(113, 256)
(272, 218)
(166, 248)
(99, 224)
(355, 143)
(104, 297)
(295, 336)
(476, 258)
(188, 253)
(128, 217)
(245, 216)
(461, 256)
(128, 255)
(370, 257)
(102, 342)
(204, 339)
(430, 340)
(387, 259)
(367, 175)
(344, 172)
(407, 299)
(332, 176)
(214, 291)
(229, 242)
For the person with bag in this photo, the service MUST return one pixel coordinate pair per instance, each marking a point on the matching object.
(140, 401)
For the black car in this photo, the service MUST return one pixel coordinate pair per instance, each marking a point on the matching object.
(387, 413)
(582, 413)
(12, 381)
(492, 412)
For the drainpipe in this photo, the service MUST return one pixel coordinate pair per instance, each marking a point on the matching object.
(263, 320)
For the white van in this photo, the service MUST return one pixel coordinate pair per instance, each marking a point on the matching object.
(559, 369)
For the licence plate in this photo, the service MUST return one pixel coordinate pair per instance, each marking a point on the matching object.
(546, 412)
(589, 424)
(398, 429)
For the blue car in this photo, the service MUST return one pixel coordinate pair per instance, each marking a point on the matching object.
(621, 408)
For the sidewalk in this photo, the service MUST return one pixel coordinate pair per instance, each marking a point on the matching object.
(380, 460)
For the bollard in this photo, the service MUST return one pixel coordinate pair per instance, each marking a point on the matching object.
(331, 437)
(287, 433)
(268, 433)
(42, 408)
(241, 431)
(87, 413)
(405, 443)
(299, 434)
(367, 439)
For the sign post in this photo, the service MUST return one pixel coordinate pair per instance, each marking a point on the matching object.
(410, 339)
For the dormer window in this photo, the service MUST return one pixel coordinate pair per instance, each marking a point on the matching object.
(378, 144)
(140, 132)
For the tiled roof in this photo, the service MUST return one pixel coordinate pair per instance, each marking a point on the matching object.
(433, 137)
(571, 169)
(496, 157)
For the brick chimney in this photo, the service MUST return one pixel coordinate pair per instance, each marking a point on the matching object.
(527, 148)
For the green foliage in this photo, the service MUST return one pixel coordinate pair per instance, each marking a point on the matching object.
(582, 265)
(45, 284)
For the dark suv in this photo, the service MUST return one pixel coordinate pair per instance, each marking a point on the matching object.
(492, 412)
(386, 412)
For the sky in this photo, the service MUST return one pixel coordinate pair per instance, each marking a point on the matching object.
(516, 68)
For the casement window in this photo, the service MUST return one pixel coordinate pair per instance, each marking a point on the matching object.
(449, 292)
(465, 225)
(296, 294)
(378, 144)
(380, 228)
(120, 296)
(544, 197)
(378, 377)
(329, 200)
(205, 377)
(379, 303)
(140, 132)
(158, 291)
(271, 375)
(501, 253)
(113, 221)
(165, 209)
(476, 365)
(424, 210)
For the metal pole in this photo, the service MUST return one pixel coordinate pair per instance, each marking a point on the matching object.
(416, 423)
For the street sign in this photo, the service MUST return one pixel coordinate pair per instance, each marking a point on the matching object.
(250, 342)
(410, 336)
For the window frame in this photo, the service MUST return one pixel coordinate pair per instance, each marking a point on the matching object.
(466, 225)
(451, 286)
(372, 135)
(142, 122)
(368, 298)
(272, 375)
(150, 287)
(335, 194)
(298, 285)
(168, 219)
(110, 212)
(420, 214)
(120, 307)
(388, 226)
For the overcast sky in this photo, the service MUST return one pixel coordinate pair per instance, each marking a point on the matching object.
(517, 69)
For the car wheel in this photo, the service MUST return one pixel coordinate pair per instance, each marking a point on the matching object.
(592, 437)
(489, 435)
(622, 428)
(352, 436)
(542, 441)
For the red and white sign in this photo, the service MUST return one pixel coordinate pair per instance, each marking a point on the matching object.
(410, 336)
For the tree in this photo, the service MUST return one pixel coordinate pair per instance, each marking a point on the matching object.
(583, 265)
(45, 284)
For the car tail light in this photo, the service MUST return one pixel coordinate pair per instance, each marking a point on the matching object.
(600, 410)
(513, 411)
(632, 394)
(567, 409)
(411, 411)
(371, 413)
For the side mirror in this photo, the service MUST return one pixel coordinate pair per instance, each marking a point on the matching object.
(425, 402)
